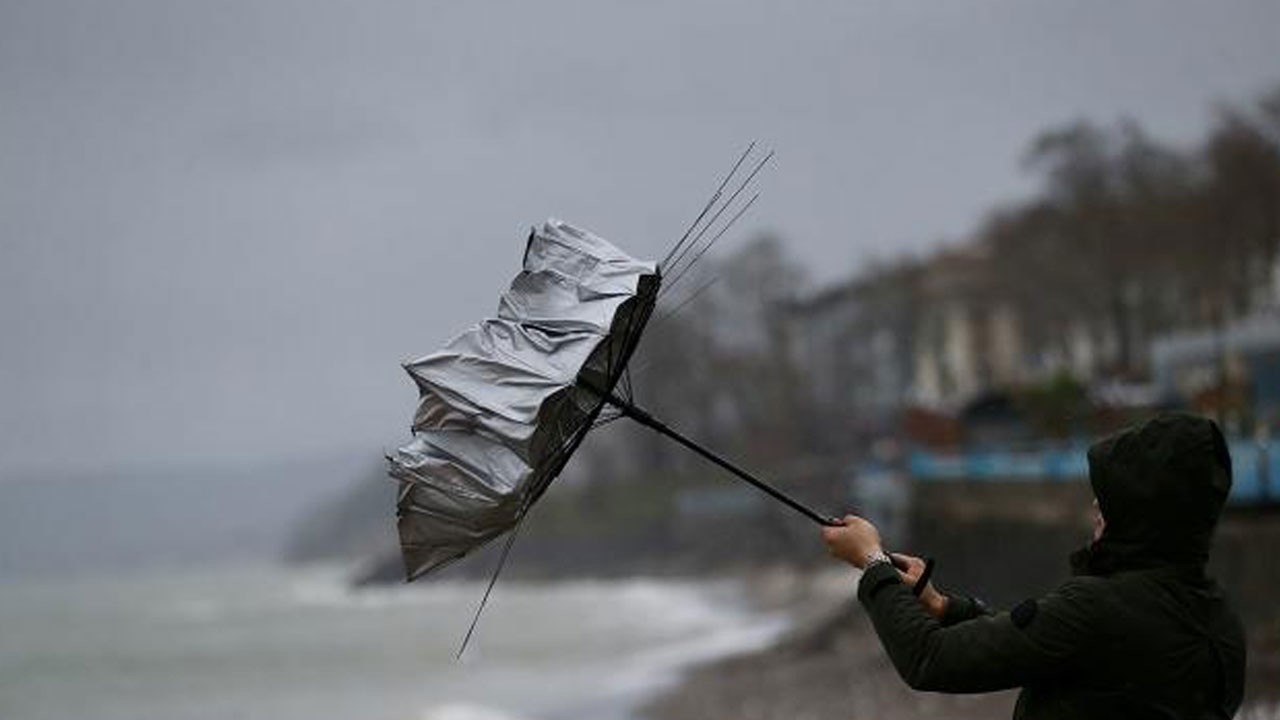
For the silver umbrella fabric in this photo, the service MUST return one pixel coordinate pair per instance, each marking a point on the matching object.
(504, 404)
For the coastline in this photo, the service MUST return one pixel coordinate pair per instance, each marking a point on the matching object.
(830, 664)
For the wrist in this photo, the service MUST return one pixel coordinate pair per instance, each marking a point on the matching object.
(876, 556)
(935, 603)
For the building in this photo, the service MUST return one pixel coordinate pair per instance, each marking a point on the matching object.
(854, 343)
(968, 337)
(1244, 354)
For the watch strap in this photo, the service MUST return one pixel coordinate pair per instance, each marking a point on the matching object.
(876, 558)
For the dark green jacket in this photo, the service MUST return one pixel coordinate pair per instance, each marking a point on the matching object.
(1140, 632)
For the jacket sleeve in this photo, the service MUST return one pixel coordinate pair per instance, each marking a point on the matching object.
(987, 652)
(961, 608)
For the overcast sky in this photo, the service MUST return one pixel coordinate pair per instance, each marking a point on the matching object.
(224, 224)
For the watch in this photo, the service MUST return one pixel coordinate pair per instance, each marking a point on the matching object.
(876, 558)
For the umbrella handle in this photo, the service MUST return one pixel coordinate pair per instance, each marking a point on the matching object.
(630, 410)
(925, 576)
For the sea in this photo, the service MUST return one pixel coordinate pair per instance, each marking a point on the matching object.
(278, 643)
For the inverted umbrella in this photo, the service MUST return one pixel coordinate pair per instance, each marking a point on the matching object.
(504, 405)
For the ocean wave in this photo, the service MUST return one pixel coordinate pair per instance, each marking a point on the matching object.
(580, 649)
(679, 603)
(467, 711)
(660, 667)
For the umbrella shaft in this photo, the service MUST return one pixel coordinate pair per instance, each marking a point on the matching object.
(657, 425)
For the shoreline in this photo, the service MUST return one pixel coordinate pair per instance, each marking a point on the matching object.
(829, 663)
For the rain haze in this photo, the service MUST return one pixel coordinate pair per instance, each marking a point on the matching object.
(224, 225)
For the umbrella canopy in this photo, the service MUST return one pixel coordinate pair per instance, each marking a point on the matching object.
(504, 404)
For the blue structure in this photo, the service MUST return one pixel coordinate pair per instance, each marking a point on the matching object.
(1256, 467)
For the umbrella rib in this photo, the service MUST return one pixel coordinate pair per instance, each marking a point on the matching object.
(626, 338)
(710, 203)
(623, 389)
(601, 422)
(716, 215)
(511, 539)
(607, 415)
(608, 355)
(626, 335)
(725, 206)
(676, 280)
(502, 561)
(696, 221)
(563, 449)
(664, 317)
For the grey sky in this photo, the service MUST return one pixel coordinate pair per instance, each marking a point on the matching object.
(223, 224)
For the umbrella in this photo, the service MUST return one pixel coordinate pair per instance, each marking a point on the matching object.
(504, 405)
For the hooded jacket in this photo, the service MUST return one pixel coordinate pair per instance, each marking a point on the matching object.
(1139, 632)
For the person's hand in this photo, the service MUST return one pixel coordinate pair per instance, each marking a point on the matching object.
(854, 541)
(909, 569)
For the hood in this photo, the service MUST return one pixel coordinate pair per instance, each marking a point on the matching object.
(1160, 486)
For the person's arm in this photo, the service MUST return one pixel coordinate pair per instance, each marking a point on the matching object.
(959, 608)
(947, 608)
(1038, 641)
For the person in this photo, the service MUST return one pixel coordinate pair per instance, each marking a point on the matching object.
(1139, 631)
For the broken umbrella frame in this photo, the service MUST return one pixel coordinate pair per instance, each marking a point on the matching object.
(504, 405)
